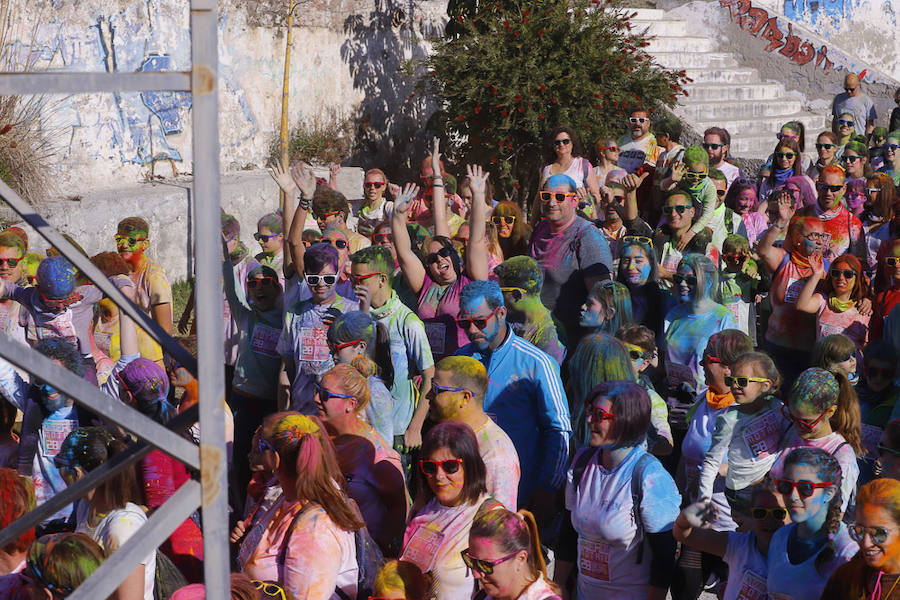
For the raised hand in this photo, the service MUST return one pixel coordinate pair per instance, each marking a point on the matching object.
(786, 208)
(393, 189)
(700, 514)
(333, 170)
(632, 182)
(817, 263)
(678, 171)
(304, 178)
(401, 203)
(477, 179)
(282, 176)
(436, 157)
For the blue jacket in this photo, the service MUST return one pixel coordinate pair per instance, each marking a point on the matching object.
(525, 397)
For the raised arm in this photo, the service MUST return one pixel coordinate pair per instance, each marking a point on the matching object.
(770, 255)
(631, 183)
(282, 176)
(234, 290)
(302, 177)
(410, 264)
(438, 197)
(476, 251)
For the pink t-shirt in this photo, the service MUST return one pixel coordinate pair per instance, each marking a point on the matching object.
(788, 326)
(850, 323)
(438, 308)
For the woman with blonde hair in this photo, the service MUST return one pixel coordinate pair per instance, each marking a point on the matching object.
(513, 230)
(505, 557)
(371, 467)
(306, 540)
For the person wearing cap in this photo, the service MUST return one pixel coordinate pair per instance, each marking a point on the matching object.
(371, 271)
(457, 394)
(526, 394)
(12, 250)
(573, 253)
(521, 279)
(154, 294)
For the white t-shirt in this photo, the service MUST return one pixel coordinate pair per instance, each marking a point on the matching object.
(501, 461)
(730, 171)
(114, 529)
(608, 540)
(787, 581)
(747, 568)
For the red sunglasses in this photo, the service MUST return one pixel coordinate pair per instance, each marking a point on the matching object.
(479, 323)
(806, 424)
(339, 347)
(358, 279)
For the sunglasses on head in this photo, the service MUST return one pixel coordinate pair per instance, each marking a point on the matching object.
(10, 262)
(562, 142)
(358, 279)
(435, 256)
(825, 146)
(374, 184)
(327, 280)
(785, 155)
(742, 382)
(339, 244)
(449, 466)
(803, 423)
(710, 146)
(640, 120)
(129, 239)
(507, 219)
(679, 208)
(485, 567)
(846, 123)
(892, 261)
(260, 282)
(847, 273)
(383, 237)
(637, 239)
(878, 534)
(850, 158)
(560, 197)
(759, 513)
(688, 279)
(479, 322)
(261, 237)
(830, 188)
(804, 488)
(269, 589)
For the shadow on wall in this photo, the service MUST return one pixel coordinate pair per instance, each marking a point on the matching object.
(379, 52)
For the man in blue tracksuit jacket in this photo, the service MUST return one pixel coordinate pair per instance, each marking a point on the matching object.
(524, 395)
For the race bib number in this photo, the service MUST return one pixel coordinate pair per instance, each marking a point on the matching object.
(59, 326)
(265, 339)
(828, 329)
(313, 344)
(763, 435)
(753, 587)
(740, 315)
(54, 434)
(793, 289)
(670, 258)
(871, 436)
(423, 547)
(436, 334)
(593, 559)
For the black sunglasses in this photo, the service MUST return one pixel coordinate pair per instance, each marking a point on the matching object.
(435, 256)
(825, 146)
(712, 146)
(339, 244)
(679, 208)
(430, 467)
(847, 273)
(830, 188)
(759, 513)
(563, 142)
(689, 279)
(261, 237)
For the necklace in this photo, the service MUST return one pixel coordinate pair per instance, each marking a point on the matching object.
(878, 587)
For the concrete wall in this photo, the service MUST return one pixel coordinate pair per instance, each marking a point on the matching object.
(346, 60)
(789, 52)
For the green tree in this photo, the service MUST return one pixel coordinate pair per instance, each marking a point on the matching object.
(510, 71)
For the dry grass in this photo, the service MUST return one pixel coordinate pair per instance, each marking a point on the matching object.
(323, 139)
(26, 151)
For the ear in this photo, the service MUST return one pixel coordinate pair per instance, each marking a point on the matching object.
(767, 385)
(830, 492)
(79, 473)
(502, 312)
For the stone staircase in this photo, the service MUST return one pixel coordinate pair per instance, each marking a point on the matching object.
(724, 93)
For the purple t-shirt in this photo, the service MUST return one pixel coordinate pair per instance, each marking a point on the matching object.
(438, 308)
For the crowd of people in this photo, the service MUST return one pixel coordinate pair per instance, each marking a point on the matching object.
(662, 375)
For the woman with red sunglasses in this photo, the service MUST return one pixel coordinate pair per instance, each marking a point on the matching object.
(374, 208)
(824, 412)
(454, 492)
(803, 555)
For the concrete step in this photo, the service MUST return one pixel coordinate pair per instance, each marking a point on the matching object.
(681, 44)
(695, 60)
(760, 127)
(706, 111)
(735, 75)
(646, 14)
(730, 92)
(661, 28)
(753, 146)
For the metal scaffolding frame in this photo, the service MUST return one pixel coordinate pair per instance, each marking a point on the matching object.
(210, 492)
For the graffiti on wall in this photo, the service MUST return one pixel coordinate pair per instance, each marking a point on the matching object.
(757, 22)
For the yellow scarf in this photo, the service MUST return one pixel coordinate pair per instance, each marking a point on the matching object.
(719, 401)
(840, 306)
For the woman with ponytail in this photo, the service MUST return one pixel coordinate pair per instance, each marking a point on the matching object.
(369, 464)
(505, 557)
(875, 571)
(824, 411)
(355, 338)
(803, 555)
(110, 513)
(305, 541)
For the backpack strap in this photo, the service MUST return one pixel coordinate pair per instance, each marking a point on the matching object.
(637, 494)
(581, 463)
(282, 554)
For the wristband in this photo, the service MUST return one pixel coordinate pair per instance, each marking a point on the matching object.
(783, 227)
(434, 185)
